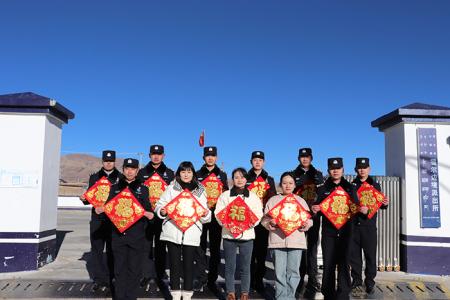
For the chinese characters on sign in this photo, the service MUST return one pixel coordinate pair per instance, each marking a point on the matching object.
(428, 178)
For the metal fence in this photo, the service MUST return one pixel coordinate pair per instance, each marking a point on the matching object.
(388, 224)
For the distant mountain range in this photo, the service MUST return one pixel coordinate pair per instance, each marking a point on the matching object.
(75, 170)
(77, 167)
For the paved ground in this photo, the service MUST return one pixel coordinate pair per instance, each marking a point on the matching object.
(68, 277)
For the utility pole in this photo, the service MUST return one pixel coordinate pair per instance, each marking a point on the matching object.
(141, 158)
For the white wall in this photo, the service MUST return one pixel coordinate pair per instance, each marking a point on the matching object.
(395, 160)
(21, 154)
(403, 138)
(50, 173)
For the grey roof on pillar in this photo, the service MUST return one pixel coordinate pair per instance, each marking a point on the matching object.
(415, 112)
(33, 103)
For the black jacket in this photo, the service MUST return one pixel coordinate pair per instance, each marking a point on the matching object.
(113, 177)
(166, 173)
(140, 191)
(272, 191)
(303, 177)
(312, 175)
(361, 219)
(203, 173)
(323, 191)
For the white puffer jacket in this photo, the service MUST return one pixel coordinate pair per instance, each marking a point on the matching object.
(170, 231)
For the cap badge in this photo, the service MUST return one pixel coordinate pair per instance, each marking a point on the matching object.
(303, 151)
(129, 161)
(363, 161)
(335, 162)
(258, 153)
(109, 154)
(210, 149)
(156, 147)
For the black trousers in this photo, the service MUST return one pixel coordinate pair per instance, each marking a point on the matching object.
(128, 256)
(214, 231)
(336, 251)
(100, 237)
(181, 265)
(365, 239)
(259, 254)
(308, 264)
(154, 254)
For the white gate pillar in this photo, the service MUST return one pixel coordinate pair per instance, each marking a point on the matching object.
(30, 135)
(417, 148)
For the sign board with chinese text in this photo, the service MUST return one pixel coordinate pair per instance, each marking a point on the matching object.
(430, 215)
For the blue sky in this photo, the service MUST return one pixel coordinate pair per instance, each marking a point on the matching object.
(256, 75)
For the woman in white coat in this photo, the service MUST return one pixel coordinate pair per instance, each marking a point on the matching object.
(182, 244)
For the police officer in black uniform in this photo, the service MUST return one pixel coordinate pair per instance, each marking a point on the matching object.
(128, 246)
(260, 244)
(364, 233)
(307, 178)
(335, 242)
(100, 226)
(212, 230)
(156, 165)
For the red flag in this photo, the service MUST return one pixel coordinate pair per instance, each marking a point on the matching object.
(201, 140)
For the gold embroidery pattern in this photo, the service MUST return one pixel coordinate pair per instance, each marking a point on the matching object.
(353, 208)
(155, 189)
(237, 213)
(326, 205)
(108, 207)
(102, 193)
(259, 189)
(184, 210)
(309, 192)
(212, 189)
(368, 198)
(339, 206)
(123, 209)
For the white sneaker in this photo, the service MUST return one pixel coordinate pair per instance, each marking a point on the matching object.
(176, 295)
(187, 295)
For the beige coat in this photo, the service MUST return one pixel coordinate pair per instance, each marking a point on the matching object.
(255, 205)
(277, 238)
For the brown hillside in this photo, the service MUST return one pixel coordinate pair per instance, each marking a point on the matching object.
(78, 167)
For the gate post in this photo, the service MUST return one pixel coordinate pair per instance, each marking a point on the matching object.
(417, 150)
(30, 134)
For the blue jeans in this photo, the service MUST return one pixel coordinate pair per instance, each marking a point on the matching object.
(286, 262)
(245, 255)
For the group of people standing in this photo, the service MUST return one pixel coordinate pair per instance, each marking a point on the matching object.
(132, 253)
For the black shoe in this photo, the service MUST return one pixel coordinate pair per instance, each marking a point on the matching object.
(212, 286)
(260, 287)
(370, 290)
(356, 284)
(309, 293)
(301, 283)
(163, 276)
(161, 284)
(313, 286)
(199, 286)
(144, 281)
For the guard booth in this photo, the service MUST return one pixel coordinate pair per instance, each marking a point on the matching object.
(417, 149)
(31, 127)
